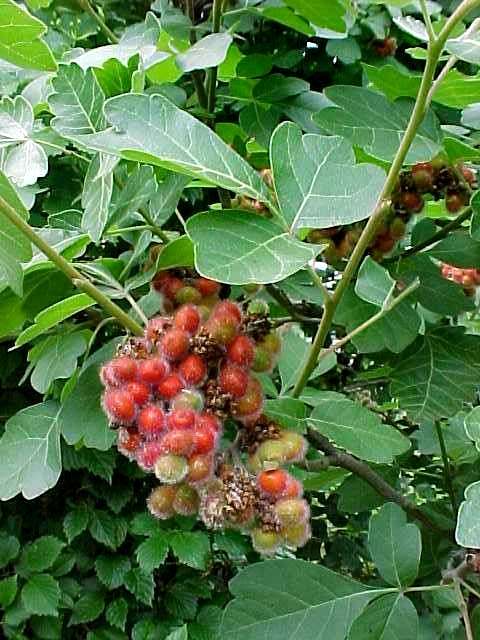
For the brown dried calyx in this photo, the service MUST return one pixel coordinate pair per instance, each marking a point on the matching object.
(204, 345)
(216, 401)
(231, 499)
(264, 429)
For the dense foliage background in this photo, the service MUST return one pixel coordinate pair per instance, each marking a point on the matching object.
(126, 131)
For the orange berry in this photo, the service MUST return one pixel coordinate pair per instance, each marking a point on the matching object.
(140, 392)
(207, 287)
(203, 441)
(170, 386)
(178, 442)
(160, 501)
(193, 369)
(208, 421)
(119, 370)
(273, 482)
(181, 419)
(200, 468)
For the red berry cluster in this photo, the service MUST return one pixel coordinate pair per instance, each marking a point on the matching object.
(436, 178)
(469, 279)
(170, 392)
(386, 47)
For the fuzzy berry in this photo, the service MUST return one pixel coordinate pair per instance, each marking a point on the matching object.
(297, 535)
(291, 511)
(227, 309)
(186, 500)
(181, 419)
(188, 399)
(272, 343)
(270, 452)
(385, 243)
(293, 488)
(252, 401)
(193, 369)
(207, 287)
(170, 386)
(422, 176)
(139, 392)
(222, 329)
(148, 454)
(265, 542)
(200, 468)
(470, 176)
(169, 286)
(151, 421)
(262, 360)
(174, 344)
(160, 501)
(397, 228)
(412, 201)
(454, 202)
(208, 421)
(153, 370)
(119, 406)
(128, 442)
(188, 294)
(233, 380)
(178, 442)
(203, 441)
(295, 446)
(273, 482)
(241, 351)
(118, 371)
(170, 468)
(187, 318)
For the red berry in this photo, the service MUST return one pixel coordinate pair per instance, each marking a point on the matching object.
(252, 401)
(160, 279)
(178, 442)
(241, 351)
(148, 454)
(422, 176)
(140, 392)
(385, 243)
(412, 201)
(233, 380)
(119, 370)
(119, 405)
(151, 421)
(208, 421)
(181, 419)
(470, 176)
(273, 482)
(153, 370)
(453, 202)
(187, 318)
(128, 442)
(155, 328)
(167, 284)
(227, 309)
(293, 488)
(193, 369)
(203, 441)
(174, 344)
(170, 386)
(207, 287)
(385, 47)
(200, 468)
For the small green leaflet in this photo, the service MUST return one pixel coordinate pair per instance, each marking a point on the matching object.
(437, 374)
(20, 38)
(391, 617)
(317, 181)
(30, 459)
(374, 284)
(208, 52)
(237, 247)
(97, 193)
(467, 533)
(395, 545)
(356, 429)
(285, 599)
(56, 357)
(153, 130)
(467, 49)
(373, 123)
(41, 595)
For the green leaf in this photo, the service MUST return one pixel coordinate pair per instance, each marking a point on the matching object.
(77, 102)
(97, 193)
(191, 548)
(237, 247)
(153, 130)
(437, 374)
(30, 460)
(288, 412)
(347, 50)
(178, 634)
(151, 553)
(472, 425)
(139, 187)
(87, 608)
(374, 284)
(20, 38)
(57, 358)
(53, 315)
(8, 591)
(116, 613)
(356, 429)
(317, 181)
(40, 554)
(376, 125)
(459, 249)
(92, 430)
(9, 549)
(141, 585)
(467, 49)
(75, 522)
(285, 599)
(208, 52)
(178, 253)
(41, 595)
(162, 205)
(395, 545)
(14, 246)
(391, 617)
(356, 496)
(295, 349)
(107, 529)
(327, 14)
(111, 570)
(467, 533)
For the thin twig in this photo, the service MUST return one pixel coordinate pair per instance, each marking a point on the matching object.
(318, 282)
(285, 302)
(213, 72)
(447, 470)
(87, 7)
(338, 458)
(462, 605)
(77, 279)
(428, 23)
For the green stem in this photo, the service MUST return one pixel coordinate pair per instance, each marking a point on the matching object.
(87, 7)
(447, 469)
(69, 270)
(213, 72)
(428, 23)
(434, 52)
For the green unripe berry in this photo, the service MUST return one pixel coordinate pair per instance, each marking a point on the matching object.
(258, 308)
(291, 511)
(160, 502)
(188, 295)
(272, 453)
(294, 445)
(171, 469)
(262, 360)
(265, 542)
(186, 500)
(272, 343)
(188, 399)
(297, 535)
(251, 288)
